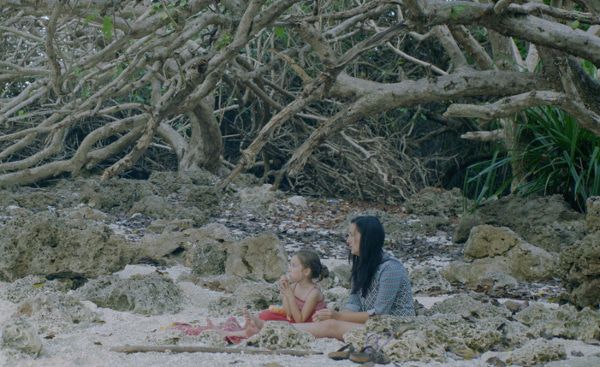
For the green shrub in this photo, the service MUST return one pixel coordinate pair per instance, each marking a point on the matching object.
(557, 156)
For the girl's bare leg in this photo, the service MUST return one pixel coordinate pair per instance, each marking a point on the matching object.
(210, 324)
(250, 327)
(328, 328)
(257, 321)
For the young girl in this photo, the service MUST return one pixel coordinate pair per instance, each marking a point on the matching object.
(300, 296)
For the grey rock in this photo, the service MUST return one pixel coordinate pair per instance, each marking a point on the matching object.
(257, 200)
(18, 334)
(536, 352)
(587, 361)
(531, 263)
(428, 338)
(298, 201)
(113, 195)
(280, 335)
(428, 280)
(538, 220)
(496, 251)
(580, 270)
(207, 257)
(488, 275)
(44, 244)
(592, 217)
(166, 225)
(466, 306)
(260, 257)
(565, 322)
(152, 294)
(255, 296)
(53, 313)
(32, 285)
(84, 212)
(436, 202)
(490, 241)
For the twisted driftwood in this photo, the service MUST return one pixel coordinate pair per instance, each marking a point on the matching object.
(201, 349)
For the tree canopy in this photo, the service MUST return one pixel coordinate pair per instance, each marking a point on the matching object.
(95, 84)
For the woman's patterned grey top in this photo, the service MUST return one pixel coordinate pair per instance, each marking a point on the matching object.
(390, 292)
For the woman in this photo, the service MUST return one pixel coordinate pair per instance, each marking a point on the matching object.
(380, 284)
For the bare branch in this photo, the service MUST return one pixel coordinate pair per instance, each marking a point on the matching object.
(466, 40)
(539, 8)
(416, 61)
(501, 5)
(142, 144)
(445, 37)
(505, 106)
(511, 105)
(50, 50)
(533, 29)
(494, 135)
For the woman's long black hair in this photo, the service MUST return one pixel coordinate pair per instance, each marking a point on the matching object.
(365, 266)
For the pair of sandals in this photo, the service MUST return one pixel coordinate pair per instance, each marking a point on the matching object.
(371, 352)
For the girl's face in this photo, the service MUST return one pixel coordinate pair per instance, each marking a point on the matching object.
(296, 271)
(353, 240)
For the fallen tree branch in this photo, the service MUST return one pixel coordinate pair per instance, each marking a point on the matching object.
(202, 349)
(513, 104)
(494, 135)
(415, 60)
(539, 8)
(505, 106)
(501, 6)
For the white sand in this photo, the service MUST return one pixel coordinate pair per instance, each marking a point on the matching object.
(91, 346)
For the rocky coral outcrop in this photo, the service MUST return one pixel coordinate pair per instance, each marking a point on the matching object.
(257, 199)
(468, 307)
(151, 294)
(260, 257)
(32, 285)
(580, 271)
(280, 335)
(255, 296)
(490, 241)
(428, 280)
(204, 248)
(53, 313)
(114, 195)
(537, 352)
(565, 322)
(494, 251)
(547, 222)
(592, 216)
(429, 338)
(466, 327)
(19, 335)
(437, 202)
(45, 244)
(84, 212)
(208, 254)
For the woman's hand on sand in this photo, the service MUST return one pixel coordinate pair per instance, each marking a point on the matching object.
(325, 314)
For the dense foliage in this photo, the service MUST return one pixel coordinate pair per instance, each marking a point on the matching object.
(555, 154)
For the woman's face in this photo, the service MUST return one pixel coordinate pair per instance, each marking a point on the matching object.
(353, 240)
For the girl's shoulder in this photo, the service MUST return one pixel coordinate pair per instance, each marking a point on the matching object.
(305, 294)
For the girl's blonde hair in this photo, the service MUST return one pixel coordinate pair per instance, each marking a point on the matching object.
(310, 259)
